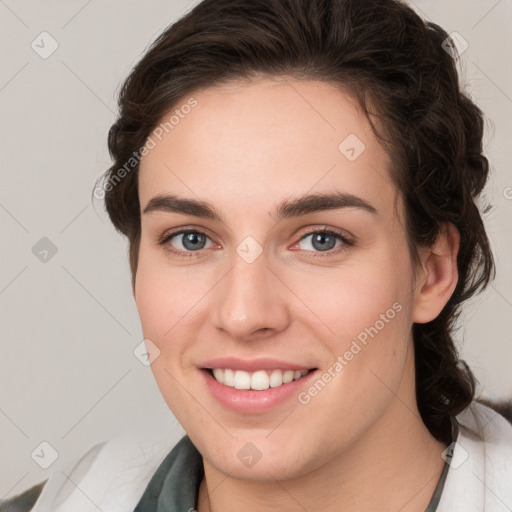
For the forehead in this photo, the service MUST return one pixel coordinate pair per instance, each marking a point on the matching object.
(247, 144)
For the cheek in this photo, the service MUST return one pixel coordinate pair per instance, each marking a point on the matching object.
(163, 296)
(354, 297)
(365, 312)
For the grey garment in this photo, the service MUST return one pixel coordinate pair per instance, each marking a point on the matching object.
(175, 485)
(436, 497)
(23, 502)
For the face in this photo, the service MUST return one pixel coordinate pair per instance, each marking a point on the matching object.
(274, 280)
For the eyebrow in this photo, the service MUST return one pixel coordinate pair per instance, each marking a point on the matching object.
(301, 206)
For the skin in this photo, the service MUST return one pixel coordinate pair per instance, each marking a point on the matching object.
(359, 444)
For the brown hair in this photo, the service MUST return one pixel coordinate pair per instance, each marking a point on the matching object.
(397, 67)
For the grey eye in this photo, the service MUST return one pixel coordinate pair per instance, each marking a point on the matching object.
(323, 241)
(190, 240)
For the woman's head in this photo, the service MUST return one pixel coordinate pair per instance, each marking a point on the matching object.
(246, 105)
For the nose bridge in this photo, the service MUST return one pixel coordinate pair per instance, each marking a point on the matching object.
(249, 299)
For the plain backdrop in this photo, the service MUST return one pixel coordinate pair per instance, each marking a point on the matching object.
(68, 321)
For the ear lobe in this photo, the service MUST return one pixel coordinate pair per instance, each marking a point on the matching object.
(439, 275)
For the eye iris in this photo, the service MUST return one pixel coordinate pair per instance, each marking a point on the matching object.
(321, 238)
(193, 238)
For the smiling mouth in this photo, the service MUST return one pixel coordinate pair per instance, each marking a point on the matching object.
(259, 380)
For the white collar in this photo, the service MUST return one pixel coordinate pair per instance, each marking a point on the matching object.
(112, 475)
(480, 474)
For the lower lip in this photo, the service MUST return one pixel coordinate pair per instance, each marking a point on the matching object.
(250, 401)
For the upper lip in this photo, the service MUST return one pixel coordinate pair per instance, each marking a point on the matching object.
(251, 365)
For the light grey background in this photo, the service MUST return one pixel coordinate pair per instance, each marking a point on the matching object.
(69, 325)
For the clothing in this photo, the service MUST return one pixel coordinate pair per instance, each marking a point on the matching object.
(129, 471)
(175, 485)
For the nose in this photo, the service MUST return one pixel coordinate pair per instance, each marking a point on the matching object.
(250, 301)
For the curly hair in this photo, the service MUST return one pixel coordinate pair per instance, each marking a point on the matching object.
(396, 65)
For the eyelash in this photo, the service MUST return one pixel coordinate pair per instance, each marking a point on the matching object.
(347, 243)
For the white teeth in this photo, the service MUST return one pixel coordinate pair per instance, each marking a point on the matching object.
(219, 375)
(288, 376)
(242, 380)
(259, 380)
(229, 377)
(276, 378)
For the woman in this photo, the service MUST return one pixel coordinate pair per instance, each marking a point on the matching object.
(297, 182)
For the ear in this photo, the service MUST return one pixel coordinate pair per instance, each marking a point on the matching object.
(437, 278)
